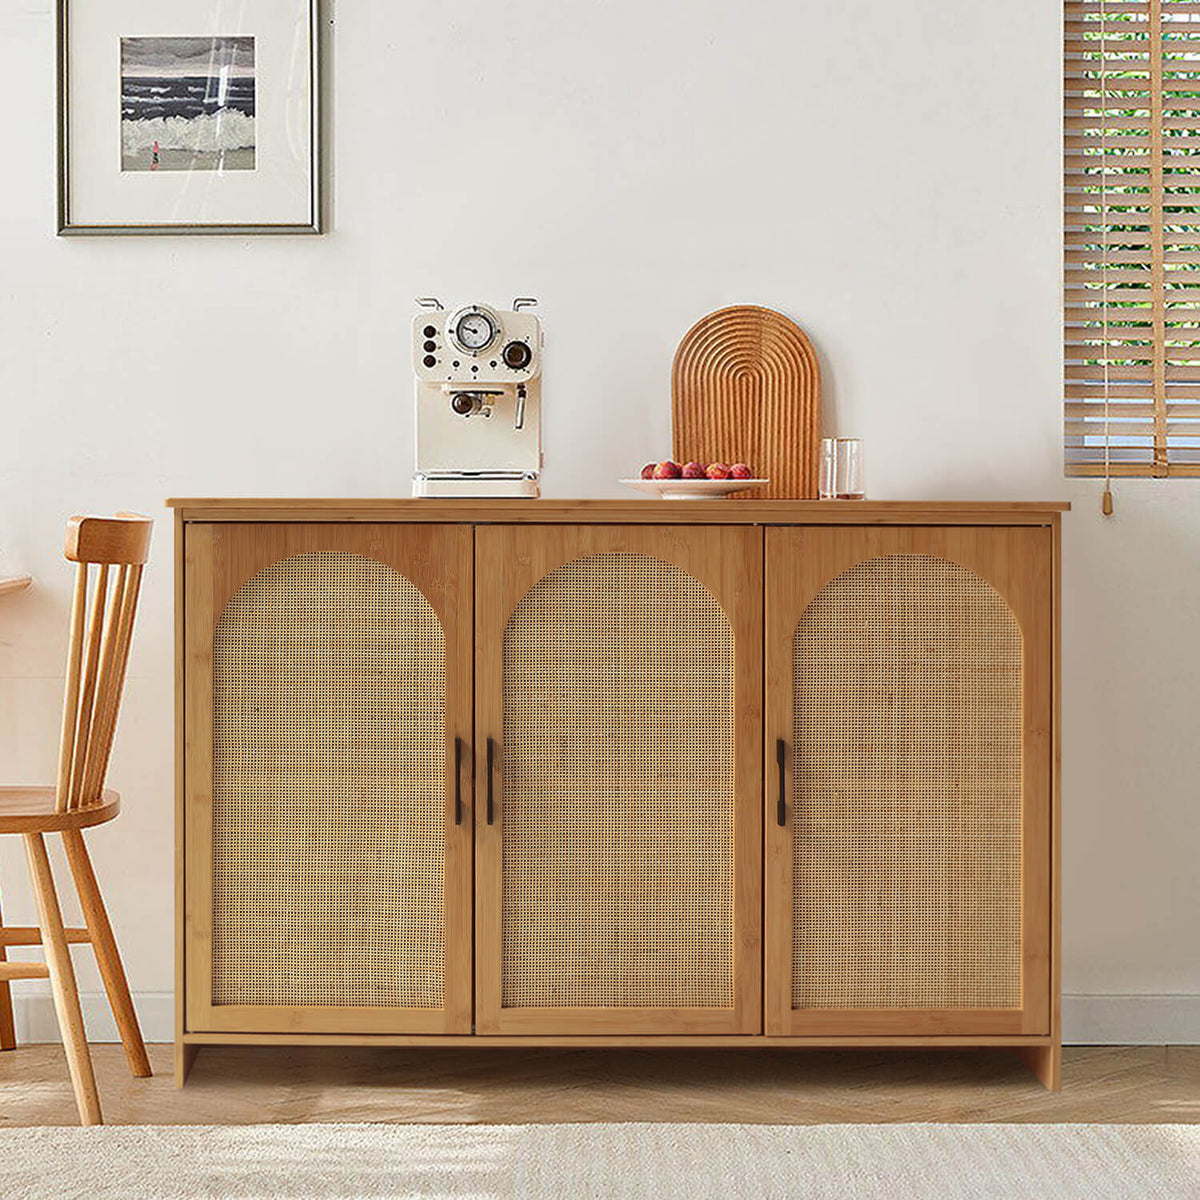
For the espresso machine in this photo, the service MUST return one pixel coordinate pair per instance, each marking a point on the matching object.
(479, 400)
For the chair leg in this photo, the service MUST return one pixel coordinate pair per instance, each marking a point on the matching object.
(8, 1027)
(62, 981)
(107, 956)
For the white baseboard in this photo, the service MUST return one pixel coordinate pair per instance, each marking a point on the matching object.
(1087, 1020)
(1142, 1020)
(35, 1019)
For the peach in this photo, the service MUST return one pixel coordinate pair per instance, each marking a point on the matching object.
(648, 470)
(717, 471)
(740, 471)
(693, 470)
(667, 470)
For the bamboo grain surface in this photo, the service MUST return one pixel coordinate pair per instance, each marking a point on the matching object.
(746, 387)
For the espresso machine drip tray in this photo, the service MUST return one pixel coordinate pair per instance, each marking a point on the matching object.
(475, 484)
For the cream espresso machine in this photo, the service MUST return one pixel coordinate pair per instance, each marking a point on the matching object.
(479, 400)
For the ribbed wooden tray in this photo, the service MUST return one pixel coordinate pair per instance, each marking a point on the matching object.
(746, 387)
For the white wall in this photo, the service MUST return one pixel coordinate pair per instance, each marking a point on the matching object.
(886, 174)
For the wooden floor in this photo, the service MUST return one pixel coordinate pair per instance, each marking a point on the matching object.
(251, 1085)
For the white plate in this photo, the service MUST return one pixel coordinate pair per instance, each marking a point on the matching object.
(693, 489)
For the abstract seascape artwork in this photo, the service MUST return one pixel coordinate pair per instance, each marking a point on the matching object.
(187, 104)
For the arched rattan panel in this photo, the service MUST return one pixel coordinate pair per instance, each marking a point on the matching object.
(329, 759)
(907, 835)
(618, 856)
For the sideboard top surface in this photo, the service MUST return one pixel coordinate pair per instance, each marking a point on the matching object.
(621, 512)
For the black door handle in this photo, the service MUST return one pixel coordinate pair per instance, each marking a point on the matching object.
(491, 750)
(781, 759)
(458, 781)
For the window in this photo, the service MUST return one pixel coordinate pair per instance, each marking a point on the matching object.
(1132, 229)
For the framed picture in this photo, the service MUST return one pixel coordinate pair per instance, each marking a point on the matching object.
(188, 116)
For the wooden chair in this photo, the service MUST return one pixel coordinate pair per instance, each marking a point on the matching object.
(96, 660)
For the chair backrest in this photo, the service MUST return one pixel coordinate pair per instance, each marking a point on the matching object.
(99, 647)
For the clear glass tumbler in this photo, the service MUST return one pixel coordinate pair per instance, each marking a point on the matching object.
(827, 475)
(849, 482)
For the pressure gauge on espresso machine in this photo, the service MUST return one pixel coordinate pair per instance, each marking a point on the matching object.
(474, 328)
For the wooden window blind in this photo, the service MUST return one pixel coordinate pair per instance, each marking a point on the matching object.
(1132, 233)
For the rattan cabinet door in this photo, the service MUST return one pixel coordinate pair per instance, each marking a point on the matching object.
(618, 753)
(328, 681)
(908, 834)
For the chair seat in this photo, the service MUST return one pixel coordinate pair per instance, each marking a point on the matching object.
(31, 810)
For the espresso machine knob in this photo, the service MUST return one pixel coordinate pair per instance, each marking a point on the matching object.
(517, 355)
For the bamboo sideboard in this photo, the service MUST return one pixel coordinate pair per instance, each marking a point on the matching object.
(753, 773)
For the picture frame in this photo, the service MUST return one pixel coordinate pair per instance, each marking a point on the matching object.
(189, 117)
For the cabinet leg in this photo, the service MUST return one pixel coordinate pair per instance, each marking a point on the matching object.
(1045, 1062)
(185, 1056)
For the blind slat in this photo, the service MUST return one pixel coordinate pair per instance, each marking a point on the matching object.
(1081, 235)
(1079, 123)
(1127, 391)
(1093, 274)
(1078, 409)
(1134, 433)
(1091, 8)
(1079, 349)
(1140, 257)
(1087, 466)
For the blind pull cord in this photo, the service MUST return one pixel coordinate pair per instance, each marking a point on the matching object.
(1106, 499)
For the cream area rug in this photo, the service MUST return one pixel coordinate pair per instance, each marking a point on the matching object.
(562, 1162)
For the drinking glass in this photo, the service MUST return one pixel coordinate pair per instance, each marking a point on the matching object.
(827, 476)
(848, 470)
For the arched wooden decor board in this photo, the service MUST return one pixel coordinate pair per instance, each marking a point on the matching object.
(746, 387)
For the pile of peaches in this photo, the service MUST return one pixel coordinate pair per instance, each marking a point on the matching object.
(696, 470)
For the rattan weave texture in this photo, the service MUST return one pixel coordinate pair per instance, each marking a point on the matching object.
(908, 803)
(618, 790)
(329, 760)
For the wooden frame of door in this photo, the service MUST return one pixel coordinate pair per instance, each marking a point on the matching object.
(1019, 564)
(438, 560)
(728, 562)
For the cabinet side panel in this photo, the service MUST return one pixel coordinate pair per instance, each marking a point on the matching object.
(180, 532)
(199, 574)
(1056, 815)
